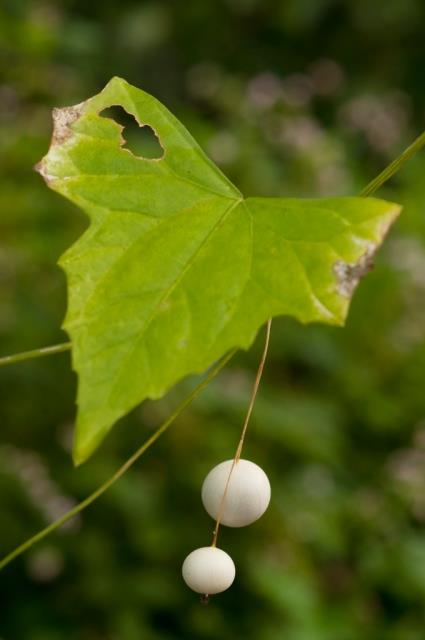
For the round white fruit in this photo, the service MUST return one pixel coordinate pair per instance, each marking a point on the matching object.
(247, 497)
(208, 570)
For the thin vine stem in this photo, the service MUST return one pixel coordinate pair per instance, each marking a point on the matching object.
(243, 432)
(35, 353)
(120, 472)
(393, 167)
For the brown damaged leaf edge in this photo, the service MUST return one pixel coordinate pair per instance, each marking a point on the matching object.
(348, 275)
(62, 119)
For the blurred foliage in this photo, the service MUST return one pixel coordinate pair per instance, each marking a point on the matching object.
(293, 97)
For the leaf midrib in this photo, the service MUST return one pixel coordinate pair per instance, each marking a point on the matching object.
(170, 290)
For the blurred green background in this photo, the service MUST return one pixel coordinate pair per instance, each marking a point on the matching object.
(291, 97)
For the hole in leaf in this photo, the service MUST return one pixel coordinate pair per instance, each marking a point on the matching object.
(141, 141)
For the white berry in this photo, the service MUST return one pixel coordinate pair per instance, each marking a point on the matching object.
(208, 570)
(247, 497)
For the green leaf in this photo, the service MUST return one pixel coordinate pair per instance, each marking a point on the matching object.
(177, 267)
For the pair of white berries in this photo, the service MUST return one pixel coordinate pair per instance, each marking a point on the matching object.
(209, 570)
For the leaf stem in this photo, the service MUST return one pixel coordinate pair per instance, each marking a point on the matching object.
(393, 167)
(120, 472)
(35, 353)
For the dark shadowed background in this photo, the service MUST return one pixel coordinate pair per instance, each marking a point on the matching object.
(289, 97)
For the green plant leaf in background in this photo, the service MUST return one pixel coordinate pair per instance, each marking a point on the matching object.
(177, 267)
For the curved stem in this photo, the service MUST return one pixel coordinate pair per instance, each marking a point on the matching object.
(120, 472)
(35, 353)
(394, 166)
(243, 432)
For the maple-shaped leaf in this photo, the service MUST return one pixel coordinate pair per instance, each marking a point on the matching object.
(177, 267)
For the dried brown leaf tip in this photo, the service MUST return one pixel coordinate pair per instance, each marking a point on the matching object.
(62, 119)
(349, 274)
